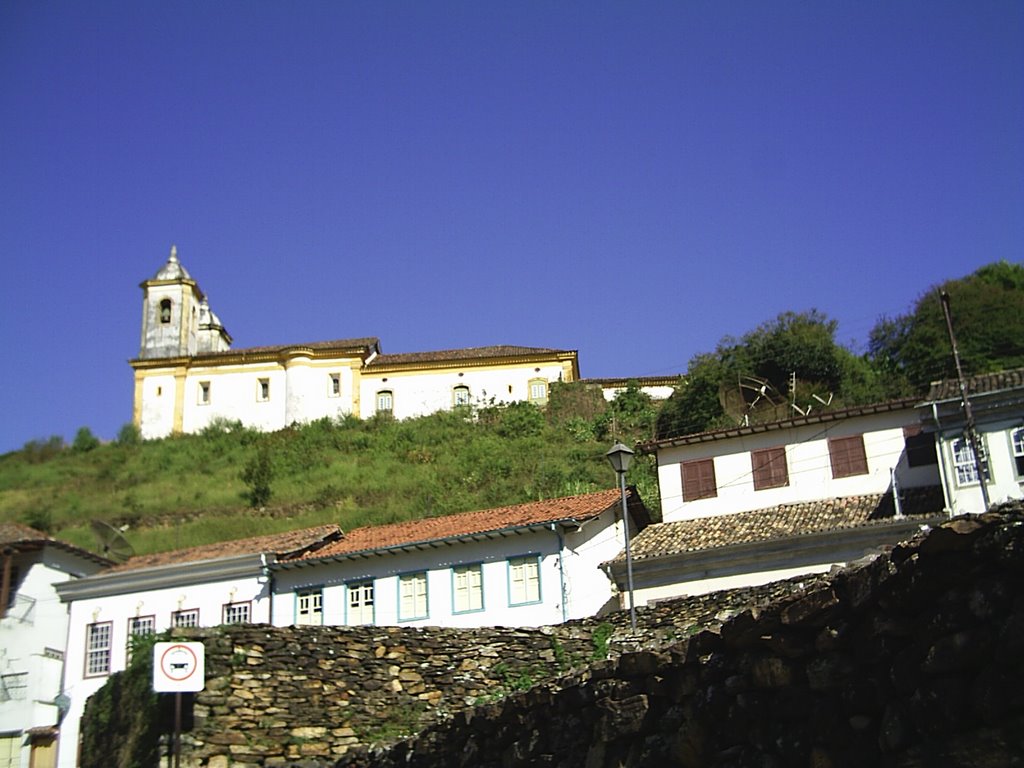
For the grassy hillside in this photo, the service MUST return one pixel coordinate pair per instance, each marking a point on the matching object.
(189, 490)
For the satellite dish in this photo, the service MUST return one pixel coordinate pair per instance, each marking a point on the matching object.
(752, 399)
(111, 540)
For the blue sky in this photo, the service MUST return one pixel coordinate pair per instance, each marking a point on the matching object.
(634, 180)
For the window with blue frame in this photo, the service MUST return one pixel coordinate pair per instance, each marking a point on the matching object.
(524, 580)
(467, 588)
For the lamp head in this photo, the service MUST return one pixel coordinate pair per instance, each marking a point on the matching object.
(619, 457)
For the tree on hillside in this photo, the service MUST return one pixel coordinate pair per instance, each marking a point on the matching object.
(753, 378)
(987, 308)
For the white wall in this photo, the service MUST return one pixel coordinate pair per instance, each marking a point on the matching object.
(32, 641)
(807, 458)
(1004, 483)
(208, 598)
(418, 393)
(586, 587)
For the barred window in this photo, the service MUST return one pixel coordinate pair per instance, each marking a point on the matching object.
(97, 648)
(237, 613)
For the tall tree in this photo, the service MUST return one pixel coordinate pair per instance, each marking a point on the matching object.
(752, 378)
(987, 308)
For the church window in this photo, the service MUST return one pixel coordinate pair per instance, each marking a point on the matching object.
(204, 393)
(460, 396)
(385, 401)
(538, 391)
(263, 390)
(335, 385)
(165, 311)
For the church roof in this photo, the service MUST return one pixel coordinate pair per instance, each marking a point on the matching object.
(466, 353)
(172, 270)
(314, 346)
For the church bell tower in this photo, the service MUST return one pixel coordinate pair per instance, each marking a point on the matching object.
(176, 319)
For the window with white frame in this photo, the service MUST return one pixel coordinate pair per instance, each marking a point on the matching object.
(263, 390)
(360, 602)
(237, 613)
(412, 596)
(334, 385)
(185, 618)
(538, 391)
(97, 648)
(467, 588)
(309, 606)
(963, 462)
(385, 401)
(1017, 440)
(204, 393)
(139, 626)
(524, 580)
(460, 395)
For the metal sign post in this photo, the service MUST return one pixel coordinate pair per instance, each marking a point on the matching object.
(178, 668)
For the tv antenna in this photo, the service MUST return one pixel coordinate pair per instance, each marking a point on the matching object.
(111, 540)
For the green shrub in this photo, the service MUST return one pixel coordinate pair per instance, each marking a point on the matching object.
(85, 441)
(257, 476)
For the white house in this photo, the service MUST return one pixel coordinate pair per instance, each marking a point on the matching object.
(827, 454)
(33, 632)
(526, 565)
(997, 403)
(187, 376)
(754, 504)
(221, 583)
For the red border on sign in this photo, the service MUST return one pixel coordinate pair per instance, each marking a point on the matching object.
(167, 672)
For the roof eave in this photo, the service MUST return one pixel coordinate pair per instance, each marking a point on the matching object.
(568, 523)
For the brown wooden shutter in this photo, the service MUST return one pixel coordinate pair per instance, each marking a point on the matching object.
(847, 456)
(769, 468)
(699, 480)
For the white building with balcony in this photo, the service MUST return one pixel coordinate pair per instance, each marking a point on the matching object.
(33, 633)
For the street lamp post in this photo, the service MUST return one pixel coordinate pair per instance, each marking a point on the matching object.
(620, 457)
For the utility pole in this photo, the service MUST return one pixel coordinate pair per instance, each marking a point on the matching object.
(972, 433)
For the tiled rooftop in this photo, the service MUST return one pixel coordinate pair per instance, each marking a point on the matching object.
(780, 522)
(23, 538)
(280, 544)
(948, 389)
(368, 341)
(14, 533)
(433, 529)
(468, 353)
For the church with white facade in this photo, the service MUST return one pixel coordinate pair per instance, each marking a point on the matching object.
(187, 375)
